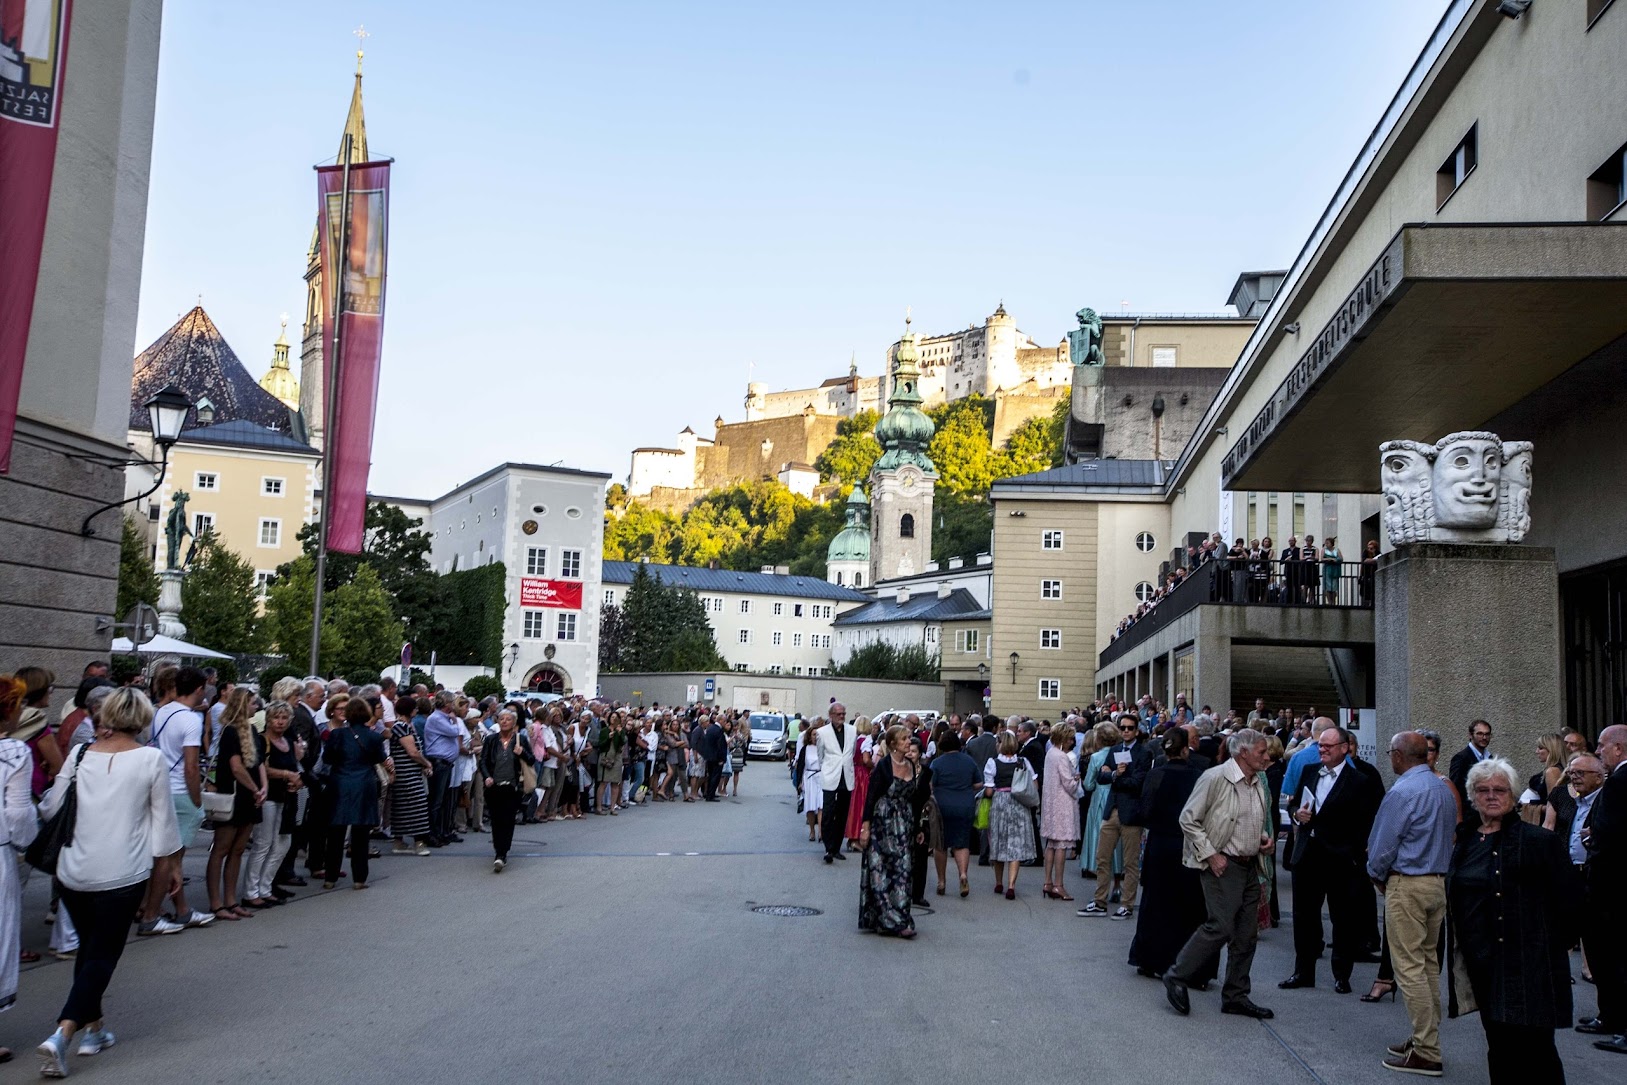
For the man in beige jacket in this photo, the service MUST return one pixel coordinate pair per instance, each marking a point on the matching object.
(1227, 829)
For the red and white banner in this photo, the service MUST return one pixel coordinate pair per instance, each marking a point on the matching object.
(347, 436)
(559, 594)
(33, 58)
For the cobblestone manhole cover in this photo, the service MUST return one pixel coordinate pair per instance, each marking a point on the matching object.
(795, 910)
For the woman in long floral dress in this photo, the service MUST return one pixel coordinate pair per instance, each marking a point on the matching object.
(892, 812)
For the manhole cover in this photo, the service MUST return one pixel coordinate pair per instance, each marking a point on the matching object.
(786, 910)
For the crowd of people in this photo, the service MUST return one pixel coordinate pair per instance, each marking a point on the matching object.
(1182, 822)
(292, 790)
(1302, 573)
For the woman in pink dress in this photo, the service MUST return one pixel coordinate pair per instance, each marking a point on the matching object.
(1059, 809)
(861, 780)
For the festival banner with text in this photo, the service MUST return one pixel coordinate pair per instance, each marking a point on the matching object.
(33, 58)
(356, 314)
(558, 594)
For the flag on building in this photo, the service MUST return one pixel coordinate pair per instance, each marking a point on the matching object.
(33, 57)
(354, 317)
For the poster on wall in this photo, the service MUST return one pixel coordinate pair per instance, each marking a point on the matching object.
(558, 594)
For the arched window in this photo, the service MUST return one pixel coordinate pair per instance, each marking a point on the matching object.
(858, 580)
(838, 578)
(906, 526)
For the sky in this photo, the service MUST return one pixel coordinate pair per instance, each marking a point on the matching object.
(607, 217)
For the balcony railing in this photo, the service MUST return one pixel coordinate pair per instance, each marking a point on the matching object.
(1249, 583)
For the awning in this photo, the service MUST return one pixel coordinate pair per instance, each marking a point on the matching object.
(165, 646)
(1450, 327)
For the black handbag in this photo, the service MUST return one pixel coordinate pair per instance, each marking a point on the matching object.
(57, 832)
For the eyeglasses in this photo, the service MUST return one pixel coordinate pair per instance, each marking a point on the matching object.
(1434, 749)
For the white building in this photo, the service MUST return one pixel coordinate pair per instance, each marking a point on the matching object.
(546, 525)
(907, 620)
(768, 622)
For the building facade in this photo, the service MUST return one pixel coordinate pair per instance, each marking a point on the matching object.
(765, 622)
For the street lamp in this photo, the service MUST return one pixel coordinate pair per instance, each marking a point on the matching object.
(1014, 658)
(166, 416)
(513, 656)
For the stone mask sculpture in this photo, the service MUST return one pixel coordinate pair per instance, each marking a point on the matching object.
(1469, 487)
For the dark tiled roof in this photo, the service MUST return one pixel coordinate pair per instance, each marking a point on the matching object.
(1104, 474)
(196, 358)
(926, 607)
(242, 434)
(799, 587)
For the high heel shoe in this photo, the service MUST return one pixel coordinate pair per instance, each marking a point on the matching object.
(1045, 891)
(940, 889)
(965, 888)
(1380, 989)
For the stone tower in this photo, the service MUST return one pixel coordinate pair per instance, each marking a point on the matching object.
(847, 559)
(902, 480)
(312, 387)
(1000, 336)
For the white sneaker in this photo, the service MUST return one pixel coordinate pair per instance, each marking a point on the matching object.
(497, 866)
(53, 1055)
(195, 918)
(96, 1040)
(161, 925)
(1122, 913)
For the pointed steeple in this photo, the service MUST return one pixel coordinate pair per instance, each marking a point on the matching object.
(905, 430)
(279, 380)
(356, 121)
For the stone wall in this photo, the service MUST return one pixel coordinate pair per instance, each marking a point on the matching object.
(738, 454)
(1132, 433)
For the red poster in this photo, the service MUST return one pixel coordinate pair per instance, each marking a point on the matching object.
(348, 432)
(560, 594)
(33, 58)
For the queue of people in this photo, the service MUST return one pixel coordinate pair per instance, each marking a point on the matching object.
(1483, 880)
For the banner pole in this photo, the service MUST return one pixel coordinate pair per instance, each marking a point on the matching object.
(330, 397)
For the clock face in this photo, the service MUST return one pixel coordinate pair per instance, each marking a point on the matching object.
(907, 482)
(529, 527)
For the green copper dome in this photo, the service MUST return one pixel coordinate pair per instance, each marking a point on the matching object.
(852, 543)
(905, 430)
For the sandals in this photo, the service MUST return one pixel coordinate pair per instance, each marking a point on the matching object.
(28, 956)
(965, 889)
(227, 914)
(940, 889)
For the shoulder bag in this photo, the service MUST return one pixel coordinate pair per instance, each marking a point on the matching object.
(57, 832)
(1023, 789)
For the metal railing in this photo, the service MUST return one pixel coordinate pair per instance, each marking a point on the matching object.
(1260, 582)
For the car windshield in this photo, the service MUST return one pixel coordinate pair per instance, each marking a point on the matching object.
(772, 724)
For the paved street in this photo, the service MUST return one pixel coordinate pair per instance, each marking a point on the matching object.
(624, 946)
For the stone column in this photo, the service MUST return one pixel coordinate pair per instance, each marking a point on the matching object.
(1211, 663)
(1465, 632)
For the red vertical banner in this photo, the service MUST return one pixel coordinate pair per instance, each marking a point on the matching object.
(33, 58)
(354, 313)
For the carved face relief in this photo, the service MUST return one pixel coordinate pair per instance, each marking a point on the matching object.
(1514, 514)
(1465, 483)
(1404, 472)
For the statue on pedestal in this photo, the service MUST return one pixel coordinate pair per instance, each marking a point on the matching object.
(1468, 487)
(175, 530)
(1085, 344)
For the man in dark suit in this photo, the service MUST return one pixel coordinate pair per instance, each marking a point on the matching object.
(302, 728)
(980, 749)
(1125, 770)
(1333, 813)
(714, 748)
(1605, 837)
(1478, 749)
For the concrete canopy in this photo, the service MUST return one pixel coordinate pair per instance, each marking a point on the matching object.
(1457, 324)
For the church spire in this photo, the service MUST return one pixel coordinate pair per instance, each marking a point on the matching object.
(356, 120)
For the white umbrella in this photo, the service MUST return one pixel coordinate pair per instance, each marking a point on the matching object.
(166, 646)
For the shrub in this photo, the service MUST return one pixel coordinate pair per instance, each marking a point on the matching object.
(482, 686)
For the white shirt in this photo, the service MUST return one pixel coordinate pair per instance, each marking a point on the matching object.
(18, 825)
(1325, 779)
(126, 818)
(175, 727)
(1584, 806)
(389, 712)
(988, 770)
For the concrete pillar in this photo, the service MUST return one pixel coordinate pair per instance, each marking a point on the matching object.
(1466, 632)
(1212, 668)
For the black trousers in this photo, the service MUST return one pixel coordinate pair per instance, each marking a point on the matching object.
(714, 776)
(334, 852)
(442, 799)
(103, 922)
(1522, 1054)
(318, 812)
(502, 802)
(833, 819)
(1607, 958)
(1321, 875)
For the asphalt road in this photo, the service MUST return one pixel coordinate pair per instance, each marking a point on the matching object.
(613, 949)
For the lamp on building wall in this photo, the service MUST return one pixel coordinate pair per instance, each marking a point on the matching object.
(166, 416)
(982, 672)
(1014, 658)
(513, 655)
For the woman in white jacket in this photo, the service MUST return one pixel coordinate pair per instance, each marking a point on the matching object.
(17, 828)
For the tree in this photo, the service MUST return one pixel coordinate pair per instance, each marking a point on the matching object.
(640, 532)
(963, 528)
(1028, 449)
(482, 686)
(288, 615)
(664, 629)
(880, 659)
(138, 580)
(364, 621)
(219, 599)
(961, 448)
(850, 457)
(392, 545)
(612, 634)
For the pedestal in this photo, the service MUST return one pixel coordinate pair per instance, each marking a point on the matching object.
(1465, 632)
(169, 604)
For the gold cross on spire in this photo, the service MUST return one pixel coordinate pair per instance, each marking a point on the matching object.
(361, 39)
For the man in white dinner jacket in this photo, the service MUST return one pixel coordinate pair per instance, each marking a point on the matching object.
(836, 780)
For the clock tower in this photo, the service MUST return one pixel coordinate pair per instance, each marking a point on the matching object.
(902, 480)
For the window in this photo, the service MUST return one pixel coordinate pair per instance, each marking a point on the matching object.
(796, 640)
(566, 627)
(745, 636)
(713, 604)
(570, 564)
(262, 583)
(1051, 540)
(271, 487)
(270, 532)
(858, 580)
(1145, 542)
(796, 610)
(824, 641)
(536, 561)
(1457, 167)
(1144, 591)
(206, 480)
(1607, 188)
(1050, 589)
(1163, 357)
(1050, 689)
(775, 668)
(778, 638)
(966, 640)
(932, 634)
(534, 625)
(779, 608)
(796, 669)
(838, 580)
(740, 666)
(1050, 638)
(202, 522)
(745, 606)
(609, 598)
(906, 526)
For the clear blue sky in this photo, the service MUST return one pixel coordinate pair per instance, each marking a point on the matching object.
(604, 213)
